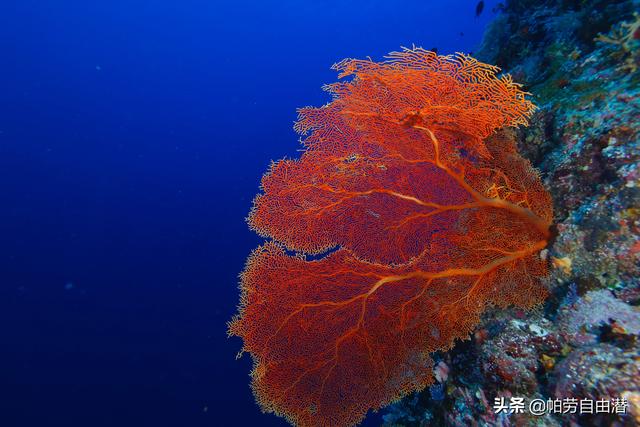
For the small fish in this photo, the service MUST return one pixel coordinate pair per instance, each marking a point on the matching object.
(434, 50)
(461, 34)
(373, 214)
(479, 8)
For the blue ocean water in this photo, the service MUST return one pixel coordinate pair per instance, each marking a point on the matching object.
(132, 139)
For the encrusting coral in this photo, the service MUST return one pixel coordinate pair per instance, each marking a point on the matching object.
(419, 213)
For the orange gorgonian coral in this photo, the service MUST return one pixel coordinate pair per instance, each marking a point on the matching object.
(420, 213)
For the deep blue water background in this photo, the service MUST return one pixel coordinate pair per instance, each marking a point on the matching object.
(132, 139)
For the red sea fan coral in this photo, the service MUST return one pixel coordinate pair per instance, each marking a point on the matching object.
(420, 212)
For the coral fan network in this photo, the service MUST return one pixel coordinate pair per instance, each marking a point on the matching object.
(420, 213)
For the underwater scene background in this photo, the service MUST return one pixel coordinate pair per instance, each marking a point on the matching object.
(133, 136)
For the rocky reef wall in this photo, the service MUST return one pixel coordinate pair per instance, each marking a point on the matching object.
(580, 60)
